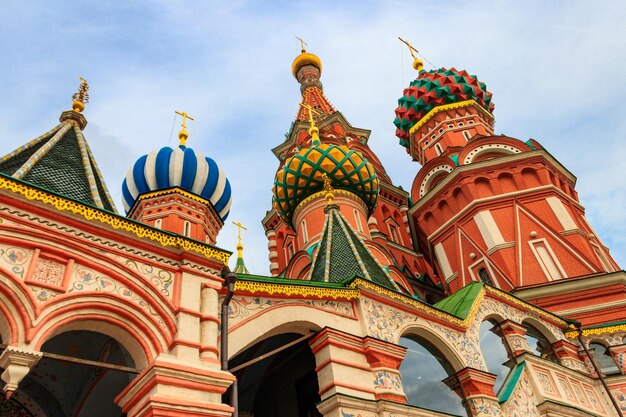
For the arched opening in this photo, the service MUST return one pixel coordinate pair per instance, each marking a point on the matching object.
(58, 387)
(494, 351)
(281, 385)
(539, 343)
(603, 358)
(423, 371)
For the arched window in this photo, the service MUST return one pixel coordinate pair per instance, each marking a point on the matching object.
(495, 353)
(157, 223)
(603, 358)
(539, 344)
(187, 231)
(305, 233)
(359, 227)
(484, 276)
(423, 371)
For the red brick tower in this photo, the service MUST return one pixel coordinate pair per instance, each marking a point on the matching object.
(382, 224)
(496, 209)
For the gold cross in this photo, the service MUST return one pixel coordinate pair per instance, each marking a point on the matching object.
(185, 117)
(239, 227)
(417, 62)
(311, 112)
(302, 44)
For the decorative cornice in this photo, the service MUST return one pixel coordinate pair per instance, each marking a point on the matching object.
(527, 306)
(597, 331)
(115, 221)
(445, 107)
(301, 290)
(359, 282)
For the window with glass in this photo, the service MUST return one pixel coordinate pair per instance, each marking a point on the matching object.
(539, 344)
(423, 371)
(495, 352)
(603, 359)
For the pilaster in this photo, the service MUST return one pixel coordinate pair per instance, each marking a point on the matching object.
(342, 366)
(172, 388)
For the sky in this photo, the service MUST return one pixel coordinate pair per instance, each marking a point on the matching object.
(554, 68)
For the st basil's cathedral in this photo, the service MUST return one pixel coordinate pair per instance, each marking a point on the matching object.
(484, 291)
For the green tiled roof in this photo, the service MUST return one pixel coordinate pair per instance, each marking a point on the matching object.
(240, 267)
(60, 161)
(461, 302)
(511, 382)
(342, 255)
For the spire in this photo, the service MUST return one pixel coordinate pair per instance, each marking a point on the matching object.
(61, 161)
(183, 135)
(342, 254)
(307, 69)
(240, 266)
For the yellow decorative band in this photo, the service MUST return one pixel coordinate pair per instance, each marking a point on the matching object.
(113, 220)
(527, 306)
(336, 191)
(358, 282)
(172, 190)
(300, 290)
(597, 331)
(445, 107)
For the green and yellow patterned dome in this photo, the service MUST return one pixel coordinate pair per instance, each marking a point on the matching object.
(302, 175)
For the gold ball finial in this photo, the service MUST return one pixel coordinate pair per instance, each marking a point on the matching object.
(418, 64)
(78, 106)
(81, 97)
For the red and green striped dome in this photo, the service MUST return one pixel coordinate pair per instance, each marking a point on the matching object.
(435, 88)
(302, 175)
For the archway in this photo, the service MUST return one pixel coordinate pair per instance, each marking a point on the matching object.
(56, 387)
(281, 385)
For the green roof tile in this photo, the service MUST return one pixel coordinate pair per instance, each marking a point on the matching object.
(461, 302)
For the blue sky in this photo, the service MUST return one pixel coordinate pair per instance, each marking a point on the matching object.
(555, 70)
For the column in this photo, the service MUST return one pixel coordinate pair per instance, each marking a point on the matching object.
(385, 359)
(567, 354)
(515, 336)
(476, 388)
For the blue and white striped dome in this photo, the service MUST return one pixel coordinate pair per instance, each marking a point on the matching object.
(181, 167)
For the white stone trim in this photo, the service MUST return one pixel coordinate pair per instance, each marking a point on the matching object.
(561, 213)
(488, 229)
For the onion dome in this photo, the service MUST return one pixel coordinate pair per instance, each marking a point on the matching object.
(183, 168)
(435, 88)
(305, 58)
(303, 175)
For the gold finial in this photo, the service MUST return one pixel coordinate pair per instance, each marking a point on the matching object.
(183, 135)
(239, 244)
(81, 97)
(302, 44)
(418, 64)
(330, 191)
(313, 130)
